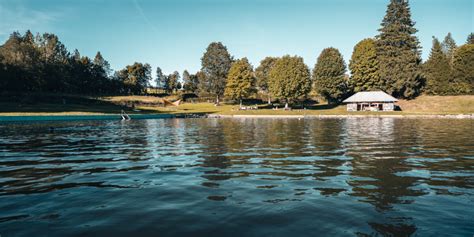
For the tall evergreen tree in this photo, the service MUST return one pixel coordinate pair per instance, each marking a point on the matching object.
(437, 70)
(87, 84)
(398, 52)
(329, 75)
(51, 48)
(102, 65)
(53, 58)
(240, 81)
(463, 70)
(289, 79)
(470, 39)
(364, 67)
(262, 74)
(101, 71)
(43, 63)
(216, 63)
(449, 46)
(76, 55)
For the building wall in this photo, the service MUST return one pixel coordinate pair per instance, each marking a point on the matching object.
(385, 106)
(388, 107)
(352, 107)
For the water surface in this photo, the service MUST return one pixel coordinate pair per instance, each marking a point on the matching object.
(238, 177)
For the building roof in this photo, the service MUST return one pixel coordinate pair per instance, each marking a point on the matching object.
(370, 96)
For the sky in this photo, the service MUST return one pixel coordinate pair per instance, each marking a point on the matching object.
(173, 34)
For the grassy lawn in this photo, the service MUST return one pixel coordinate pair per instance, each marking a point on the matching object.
(423, 105)
(463, 104)
(150, 105)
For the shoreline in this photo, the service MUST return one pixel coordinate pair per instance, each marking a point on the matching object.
(431, 116)
(72, 117)
(79, 117)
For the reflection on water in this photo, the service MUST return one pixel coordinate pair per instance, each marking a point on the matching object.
(259, 177)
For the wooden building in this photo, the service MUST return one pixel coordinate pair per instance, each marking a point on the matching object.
(371, 101)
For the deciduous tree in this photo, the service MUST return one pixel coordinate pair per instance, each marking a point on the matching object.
(289, 79)
(161, 80)
(138, 77)
(215, 63)
(173, 81)
(190, 82)
(240, 81)
(262, 74)
(364, 67)
(329, 75)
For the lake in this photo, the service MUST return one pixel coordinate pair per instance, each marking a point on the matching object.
(238, 177)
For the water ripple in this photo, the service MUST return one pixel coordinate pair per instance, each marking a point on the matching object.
(214, 177)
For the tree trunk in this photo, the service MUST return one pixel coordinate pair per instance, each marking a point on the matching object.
(240, 103)
(269, 100)
(286, 104)
(217, 100)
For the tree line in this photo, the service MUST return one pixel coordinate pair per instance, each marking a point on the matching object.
(391, 61)
(41, 63)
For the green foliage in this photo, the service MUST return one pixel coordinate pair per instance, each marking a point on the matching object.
(162, 81)
(179, 86)
(289, 78)
(200, 78)
(216, 63)
(470, 39)
(449, 46)
(173, 80)
(51, 49)
(398, 52)
(437, 71)
(463, 70)
(193, 84)
(364, 67)
(186, 80)
(328, 75)
(262, 72)
(262, 75)
(190, 82)
(136, 77)
(102, 67)
(22, 63)
(240, 81)
(43, 64)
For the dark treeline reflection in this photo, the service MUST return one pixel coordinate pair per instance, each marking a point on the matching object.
(369, 176)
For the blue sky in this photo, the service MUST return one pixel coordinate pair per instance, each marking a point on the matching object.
(173, 34)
